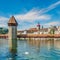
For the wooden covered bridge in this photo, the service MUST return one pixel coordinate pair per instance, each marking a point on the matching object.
(33, 36)
(39, 36)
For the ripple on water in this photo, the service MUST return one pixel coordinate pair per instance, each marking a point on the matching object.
(26, 51)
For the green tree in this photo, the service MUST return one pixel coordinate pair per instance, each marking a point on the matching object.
(52, 31)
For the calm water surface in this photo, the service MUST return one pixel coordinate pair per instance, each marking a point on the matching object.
(31, 50)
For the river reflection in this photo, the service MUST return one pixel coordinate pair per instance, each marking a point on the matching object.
(32, 49)
(13, 56)
(41, 43)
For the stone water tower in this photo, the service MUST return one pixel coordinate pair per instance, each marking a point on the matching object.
(12, 35)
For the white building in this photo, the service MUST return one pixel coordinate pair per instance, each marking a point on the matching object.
(41, 30)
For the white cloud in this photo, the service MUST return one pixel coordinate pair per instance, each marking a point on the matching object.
(32, 16)
(36, 14)
(52, 6)
(3, 18)
(3, 21)
(52, 23)
(3, 25)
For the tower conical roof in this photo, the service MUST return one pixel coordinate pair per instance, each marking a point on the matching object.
(38, 24)
(12, 21)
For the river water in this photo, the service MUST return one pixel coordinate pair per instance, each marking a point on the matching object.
(31, 50)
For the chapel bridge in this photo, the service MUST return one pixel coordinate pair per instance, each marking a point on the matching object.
(33, 36)
(39, 36)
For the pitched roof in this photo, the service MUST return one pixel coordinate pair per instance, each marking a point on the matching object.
(20, 31)
(44, 29)
(12, 22)
(32, 30)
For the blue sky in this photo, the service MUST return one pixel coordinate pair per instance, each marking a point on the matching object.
(29, 12)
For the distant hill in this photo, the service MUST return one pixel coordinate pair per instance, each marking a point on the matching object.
(3, 30)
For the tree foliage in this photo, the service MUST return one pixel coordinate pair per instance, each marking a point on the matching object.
(3, 30)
